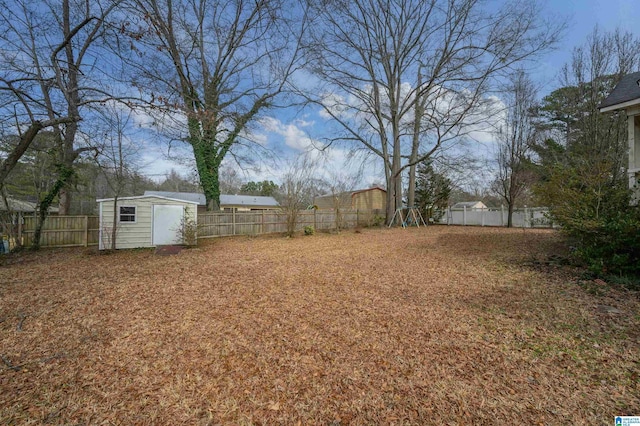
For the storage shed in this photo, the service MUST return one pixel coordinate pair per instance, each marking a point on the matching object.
(145, 221)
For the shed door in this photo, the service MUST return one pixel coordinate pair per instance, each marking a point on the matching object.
(166, 224)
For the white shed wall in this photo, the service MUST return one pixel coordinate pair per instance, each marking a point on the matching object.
(138, 234)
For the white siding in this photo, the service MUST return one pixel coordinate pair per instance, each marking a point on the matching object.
(138, 234)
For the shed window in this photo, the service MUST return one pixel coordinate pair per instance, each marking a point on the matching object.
(127, 214)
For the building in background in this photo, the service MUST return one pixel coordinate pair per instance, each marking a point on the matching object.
(361, 199)
(241, 203)
(626, 96)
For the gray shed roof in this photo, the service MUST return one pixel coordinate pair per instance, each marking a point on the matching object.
(225, 199)
(137, 197)
(626, 93)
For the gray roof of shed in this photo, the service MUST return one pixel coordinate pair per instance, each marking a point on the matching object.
(626, 90)
(138, 197)
(225, 199)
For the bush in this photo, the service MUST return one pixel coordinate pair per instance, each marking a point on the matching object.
(377, 221)
(188, 230)
(610, 245)
(595, 214)
(309, 230)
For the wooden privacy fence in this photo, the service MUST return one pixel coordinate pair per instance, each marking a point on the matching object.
(222, 224)
(62, 231)
(79, 231)
(83, 231)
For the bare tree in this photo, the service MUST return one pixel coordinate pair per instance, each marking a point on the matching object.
(515, 139)
(394, 69)
(215, 66)
(583, 162)
(297, 183)
(116, 160)
(594, 70)
(230, 181)
(50, 74)
(32, 176)
(340, 187)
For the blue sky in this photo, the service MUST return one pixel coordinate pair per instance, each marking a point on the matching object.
(286, 132)
(583, 16)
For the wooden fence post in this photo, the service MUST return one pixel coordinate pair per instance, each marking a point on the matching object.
(20, 218)
(233, 221)
(315, 220)
(86, 231)
(464, 215)
(262, 223)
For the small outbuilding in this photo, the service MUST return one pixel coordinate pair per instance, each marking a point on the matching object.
(469, 205)
(361, 199)
(626, 96)
(145, 221)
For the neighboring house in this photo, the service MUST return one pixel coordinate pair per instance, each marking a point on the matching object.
(20, 206)
(626, 96)
(227, 202)
(469, 205)
(362, 199)
(145, 221)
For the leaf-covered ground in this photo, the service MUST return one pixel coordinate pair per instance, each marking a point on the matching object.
(438, 325)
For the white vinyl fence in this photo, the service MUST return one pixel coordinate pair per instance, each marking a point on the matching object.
(529, 217)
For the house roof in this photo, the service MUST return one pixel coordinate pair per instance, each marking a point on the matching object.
(22, 206)
(463, 204)
(352, 193)
(137, 197)
(357, 191)
(625, 94)
(225, 199)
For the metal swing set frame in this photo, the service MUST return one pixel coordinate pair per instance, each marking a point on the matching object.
(412, 218)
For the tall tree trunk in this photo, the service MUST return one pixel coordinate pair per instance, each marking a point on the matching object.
(510, 215)
(411, 191)
(415, 144)
(68, 154)
(399, 191)
(397, 175)
(208, 167)
(64, 201)
(64, 176)
(390, 200)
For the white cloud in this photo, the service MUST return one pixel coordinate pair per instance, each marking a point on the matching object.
(155, 163)
(256, 137)
(294, 135)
